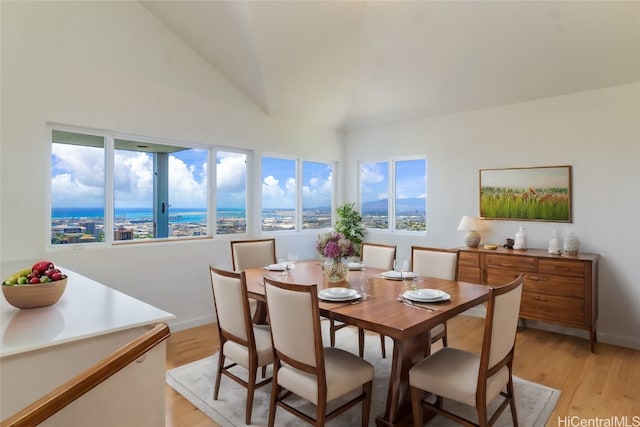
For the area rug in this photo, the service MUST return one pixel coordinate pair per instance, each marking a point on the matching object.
(195, 381)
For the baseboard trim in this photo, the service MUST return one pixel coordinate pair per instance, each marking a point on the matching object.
(190, 323)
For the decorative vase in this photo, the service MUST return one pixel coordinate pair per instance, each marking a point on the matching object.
(571, 244)
(335, 270)
(554, 243)
(520, 243)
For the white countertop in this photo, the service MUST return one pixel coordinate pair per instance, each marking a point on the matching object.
(87, 309)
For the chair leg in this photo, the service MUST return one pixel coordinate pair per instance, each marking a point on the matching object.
(251, 387)
(445, 341)
(383, 347)
(218, 376)
(416, 406)
(274, 396)
(512, 402)
(367, 389)
(321, 413)
(264, 371)
(361, 342)
(332, 333)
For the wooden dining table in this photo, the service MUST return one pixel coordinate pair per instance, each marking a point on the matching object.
(381, 312)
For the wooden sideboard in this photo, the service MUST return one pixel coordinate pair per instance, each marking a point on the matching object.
(558, 289)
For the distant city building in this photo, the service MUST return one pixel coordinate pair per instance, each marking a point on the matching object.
(124, 234)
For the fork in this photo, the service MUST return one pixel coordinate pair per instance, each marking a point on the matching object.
(414, 305)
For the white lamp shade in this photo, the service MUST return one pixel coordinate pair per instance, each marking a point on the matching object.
(470, 223)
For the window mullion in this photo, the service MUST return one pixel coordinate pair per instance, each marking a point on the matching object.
(109, 189)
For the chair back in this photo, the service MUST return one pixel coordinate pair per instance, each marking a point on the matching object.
(375, 255)
(501, 324)
(434, 262)
(295, 324)
(252, 253)
(232, 306)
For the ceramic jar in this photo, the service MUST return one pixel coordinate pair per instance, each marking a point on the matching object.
(554, 244)
(571, 244)
(520, 243)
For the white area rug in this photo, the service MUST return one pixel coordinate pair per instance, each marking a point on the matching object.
(195, 381)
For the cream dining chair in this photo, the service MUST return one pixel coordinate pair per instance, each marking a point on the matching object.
(438, 263)
(469, 378)
(252, 253)
(302, 366)
(241, 341)
(372, 255)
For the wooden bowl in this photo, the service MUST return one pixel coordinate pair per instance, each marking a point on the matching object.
(33, 296)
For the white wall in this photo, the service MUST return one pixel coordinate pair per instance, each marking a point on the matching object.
(597, 133)
(114, 66)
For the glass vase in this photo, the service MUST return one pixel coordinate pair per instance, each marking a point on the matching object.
(335, 270)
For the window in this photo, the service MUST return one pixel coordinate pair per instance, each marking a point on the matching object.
(316, 195)
(393, 195)
(282, 181)
(155, 189)
(77, 188)
(374, 194)
(278, 194)
(410, 195)
(231, 192)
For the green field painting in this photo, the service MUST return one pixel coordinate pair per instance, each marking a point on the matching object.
(538, 194)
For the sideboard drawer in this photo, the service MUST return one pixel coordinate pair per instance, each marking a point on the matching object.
(496, 276)
(569, 311)
(469, 274)
(563, 267)
(468, 259)
(567, 286)
(517, 263)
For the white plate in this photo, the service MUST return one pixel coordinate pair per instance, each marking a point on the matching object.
(338, 294)
(426, 295)
(398, 275)
(355, 265)
(275, 267)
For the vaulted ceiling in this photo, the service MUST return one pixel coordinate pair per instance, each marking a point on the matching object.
(350, 64)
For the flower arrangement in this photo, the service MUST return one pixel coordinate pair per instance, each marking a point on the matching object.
(335, 245)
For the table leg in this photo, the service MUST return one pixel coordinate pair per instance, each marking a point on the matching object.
(406, 353)
(260, 315)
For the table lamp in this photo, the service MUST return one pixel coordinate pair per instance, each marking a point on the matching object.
(471, 225)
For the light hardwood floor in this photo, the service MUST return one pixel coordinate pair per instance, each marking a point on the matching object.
(602, 385)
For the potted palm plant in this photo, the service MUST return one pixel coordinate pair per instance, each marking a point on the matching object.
(350, 224)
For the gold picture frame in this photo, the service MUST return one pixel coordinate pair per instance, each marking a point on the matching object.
(526, 194)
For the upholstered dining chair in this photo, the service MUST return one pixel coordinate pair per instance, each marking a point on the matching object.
(469, 378)
(438, 263)
(302, 365)
(372, 255)
(252, 253)
(241, 341)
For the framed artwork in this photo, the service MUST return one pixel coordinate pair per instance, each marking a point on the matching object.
(533, 194)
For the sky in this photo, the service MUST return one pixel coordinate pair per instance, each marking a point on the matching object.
(410, 180)
(78, 179)
(279, 184)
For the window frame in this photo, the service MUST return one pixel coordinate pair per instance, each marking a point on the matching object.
(391, 193)
(109, 191)
(298, 166)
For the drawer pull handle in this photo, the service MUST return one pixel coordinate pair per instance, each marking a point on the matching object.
(506, 265)
(540, 299)
(533, 278)
(561, 267)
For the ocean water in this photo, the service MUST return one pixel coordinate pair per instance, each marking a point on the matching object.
(177, 215)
